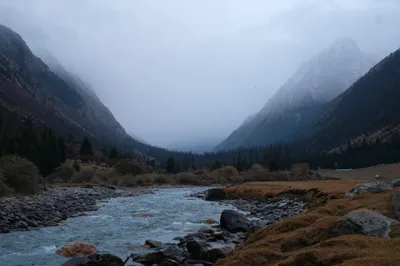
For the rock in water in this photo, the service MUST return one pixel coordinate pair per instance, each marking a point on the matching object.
(364, 222)
(234, 222)
(95, 260)
(153, 243)
(373, 186)
(215, 194)
(77, 248)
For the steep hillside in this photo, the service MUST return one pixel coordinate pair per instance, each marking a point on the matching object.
(371, 106)
(28, 87)
(297, 102)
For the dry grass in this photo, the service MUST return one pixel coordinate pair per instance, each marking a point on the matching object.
(303, 239)
(386, 170)
(262, 190)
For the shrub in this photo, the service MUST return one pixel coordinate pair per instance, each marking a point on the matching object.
(76, 166)
(83, 176)
(188, 179)
(4, 189)
(62, 174)
(300, 169)
(160, 179)
(20, 174)
(226, 172)
(256, 167)
(126, 181)
(129, 167)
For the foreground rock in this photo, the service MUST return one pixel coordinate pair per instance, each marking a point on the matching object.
(234, 222)
(364, 222)
(50, 207)
(76, 248)
(215, 194)
(373, 186)
(95, 260)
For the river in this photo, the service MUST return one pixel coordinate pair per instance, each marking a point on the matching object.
(119, 226)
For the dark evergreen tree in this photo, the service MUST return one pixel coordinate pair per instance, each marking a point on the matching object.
(170, 165)
(113, 154)
(62, 149)
(86, 148)
(273, 166)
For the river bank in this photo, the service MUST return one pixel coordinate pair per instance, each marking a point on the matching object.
(50, 207)
(208, 244)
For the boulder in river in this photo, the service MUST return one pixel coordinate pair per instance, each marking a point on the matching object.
(153, 243)
(95, 260)
(234, 222)
(215, 194)
(76, 248)
(364, 222)
(373, 186)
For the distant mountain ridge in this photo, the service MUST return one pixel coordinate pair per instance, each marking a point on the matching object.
(51, 95)
(298, 101)
(369, 109)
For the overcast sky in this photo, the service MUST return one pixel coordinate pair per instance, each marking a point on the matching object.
(176, 71)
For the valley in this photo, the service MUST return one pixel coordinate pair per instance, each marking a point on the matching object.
(311, 178)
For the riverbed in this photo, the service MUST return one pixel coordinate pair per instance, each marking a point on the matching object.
(120, 226)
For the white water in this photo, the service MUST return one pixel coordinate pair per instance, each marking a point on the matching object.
(118, 227)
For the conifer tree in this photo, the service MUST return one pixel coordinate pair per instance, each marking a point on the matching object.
(86, 147)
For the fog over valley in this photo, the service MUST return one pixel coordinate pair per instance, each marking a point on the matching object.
(185, 74)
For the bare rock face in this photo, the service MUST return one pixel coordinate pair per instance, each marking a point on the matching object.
(373, 186)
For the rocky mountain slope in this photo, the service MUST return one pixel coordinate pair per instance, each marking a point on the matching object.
(297, 102)
(370, 108)
(52, 96)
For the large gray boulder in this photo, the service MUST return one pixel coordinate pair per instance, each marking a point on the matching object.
(373, 186)
(234, 222)
(95, 260)
(364, 222)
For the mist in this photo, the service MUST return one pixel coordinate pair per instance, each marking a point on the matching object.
(184, 72)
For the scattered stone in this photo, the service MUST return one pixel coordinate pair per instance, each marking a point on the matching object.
(215, 194)
(364, 222)
(234, 222)
(50, 207)
(215, 254)
(95, 260)
(373, 186)
(153, 243)
(209, 221)
(76, 248)
(198, 249)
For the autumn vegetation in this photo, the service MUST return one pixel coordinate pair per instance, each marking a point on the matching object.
(303, 239)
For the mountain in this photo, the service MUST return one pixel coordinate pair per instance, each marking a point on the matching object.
(370, 108)
(298, 101)
(52, 96)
